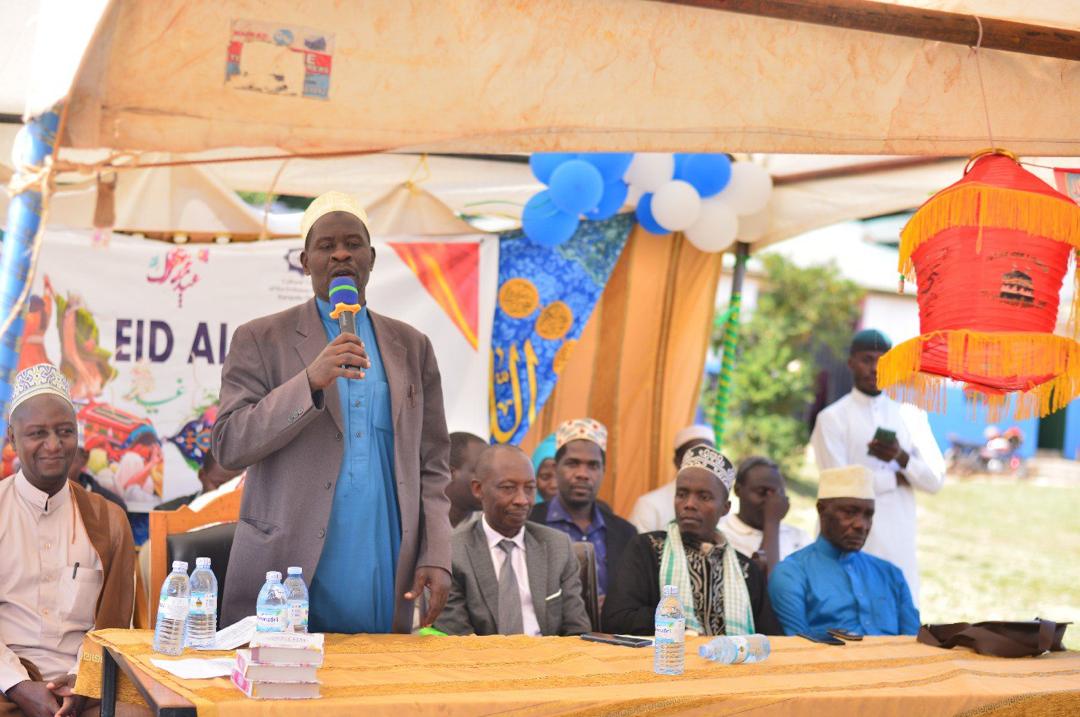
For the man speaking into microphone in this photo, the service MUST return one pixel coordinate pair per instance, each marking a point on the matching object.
(344, 439)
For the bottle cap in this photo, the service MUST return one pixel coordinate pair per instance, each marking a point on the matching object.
(179, 565)
(273, 576)
(671, 591)
(202, 562)
(294, 570)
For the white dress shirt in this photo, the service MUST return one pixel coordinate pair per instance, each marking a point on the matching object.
(46, 605)
(747, 540)
(841, 437)
(655, 509)
(521, 572)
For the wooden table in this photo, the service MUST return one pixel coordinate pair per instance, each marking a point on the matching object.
(398, 675)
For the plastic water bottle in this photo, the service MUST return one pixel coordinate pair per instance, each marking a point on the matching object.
(297, 594)
(670, 635)
(271, 610)
(172, 611)
(736, 649)
(202, 614)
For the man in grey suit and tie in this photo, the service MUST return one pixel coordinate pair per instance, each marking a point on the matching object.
(510, 576)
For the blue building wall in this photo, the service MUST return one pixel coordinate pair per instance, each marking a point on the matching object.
(958, 421)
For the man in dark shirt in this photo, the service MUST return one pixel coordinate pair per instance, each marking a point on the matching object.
(211, 476)
(579, 465)
(722, 592)
(78, 474)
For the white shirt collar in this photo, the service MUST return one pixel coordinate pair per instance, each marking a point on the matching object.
(494, 537)
(736, 525)
(39, 499)
(861, 397)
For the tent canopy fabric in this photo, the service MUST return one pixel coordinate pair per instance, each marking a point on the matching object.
(584, 75)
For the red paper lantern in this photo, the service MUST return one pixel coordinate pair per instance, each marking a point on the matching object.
(989, 254)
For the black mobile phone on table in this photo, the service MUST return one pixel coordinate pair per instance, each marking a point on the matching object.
(824, 639)
(623, 640)
(845, 635)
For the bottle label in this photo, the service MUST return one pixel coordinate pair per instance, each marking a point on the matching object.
(203, 604)
(298, 614)
(670, 631)
(173, 608)
(271, 621)
(742, 649)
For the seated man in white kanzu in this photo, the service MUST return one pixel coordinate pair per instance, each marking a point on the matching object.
(655, 509)
(68, 555)
(756, 530)
(511, 576)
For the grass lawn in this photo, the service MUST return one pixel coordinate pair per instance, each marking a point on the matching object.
(990, 549)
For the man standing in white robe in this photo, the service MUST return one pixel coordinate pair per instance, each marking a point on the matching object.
(858, 430)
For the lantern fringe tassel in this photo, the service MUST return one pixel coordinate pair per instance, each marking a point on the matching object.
(998, 354)
(982, 205)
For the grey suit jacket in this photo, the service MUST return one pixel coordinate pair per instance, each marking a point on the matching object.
(554, 580)
(291, 444)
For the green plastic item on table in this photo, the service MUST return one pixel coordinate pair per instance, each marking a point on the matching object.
(431, 631)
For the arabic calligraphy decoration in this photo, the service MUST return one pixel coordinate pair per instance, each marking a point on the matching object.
(545, 298)
(179, 272)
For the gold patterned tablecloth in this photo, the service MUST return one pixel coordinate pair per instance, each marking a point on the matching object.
(400, 675)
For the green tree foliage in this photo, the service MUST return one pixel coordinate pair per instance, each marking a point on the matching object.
(799, 312)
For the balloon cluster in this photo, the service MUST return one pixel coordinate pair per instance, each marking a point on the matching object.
(589, 185)
(706, 196)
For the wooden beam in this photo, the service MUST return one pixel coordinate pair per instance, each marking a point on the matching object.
(904, 21)
(858, 168)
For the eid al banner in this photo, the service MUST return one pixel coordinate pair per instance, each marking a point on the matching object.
(141, 329)
(545, 298)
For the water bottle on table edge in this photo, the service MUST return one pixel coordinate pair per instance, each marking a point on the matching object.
(271, 610)
(202, 614)
(669, 644)
(172, 611)
(296, 593)
(736, 649)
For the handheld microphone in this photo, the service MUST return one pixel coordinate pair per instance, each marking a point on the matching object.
(345, 299)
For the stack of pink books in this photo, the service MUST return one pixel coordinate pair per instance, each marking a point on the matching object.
(280, 666)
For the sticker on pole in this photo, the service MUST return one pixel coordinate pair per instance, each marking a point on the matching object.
(288, 61)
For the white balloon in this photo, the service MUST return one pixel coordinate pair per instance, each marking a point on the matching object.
(650, 170)
(717, 227)
(676, 205)
(753, 226)
(749, 189)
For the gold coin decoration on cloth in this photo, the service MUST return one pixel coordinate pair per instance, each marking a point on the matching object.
(554, 321)
(562, 356)
(518, 297)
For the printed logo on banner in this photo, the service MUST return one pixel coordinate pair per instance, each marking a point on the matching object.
(545, 298)
(289, 61)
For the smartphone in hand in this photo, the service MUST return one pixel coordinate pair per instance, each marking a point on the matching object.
(884, 435)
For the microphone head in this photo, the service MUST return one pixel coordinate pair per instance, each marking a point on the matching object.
(343, 291)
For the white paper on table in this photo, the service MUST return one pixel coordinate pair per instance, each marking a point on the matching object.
(196, 668)
(235, 635)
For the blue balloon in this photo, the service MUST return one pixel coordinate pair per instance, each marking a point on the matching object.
(680, 161)
(708, 173)
(543, 164)
(576, 187)
(645, 217)
(612, 165)
(612, 201)
(543, 222)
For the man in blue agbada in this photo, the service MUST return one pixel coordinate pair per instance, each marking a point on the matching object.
(832, 584)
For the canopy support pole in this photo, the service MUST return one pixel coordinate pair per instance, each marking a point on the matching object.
(29, 188)
(731, 340)
(903, 21)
